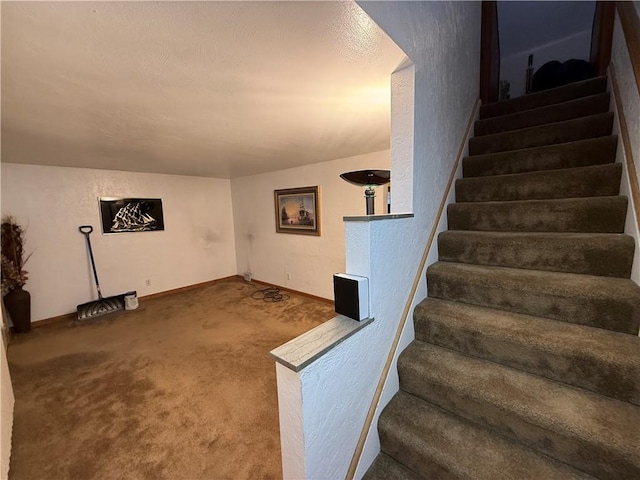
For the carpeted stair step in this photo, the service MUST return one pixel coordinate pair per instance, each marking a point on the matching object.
(595, 214)
(550, 134)
(539, 99)
(549, 417)
(605, 254)
(439, 445)
(598, 360)
(581, 153)
(386, 468)
(558, 112)
(593, 181)
(603, 302)
(526, 362)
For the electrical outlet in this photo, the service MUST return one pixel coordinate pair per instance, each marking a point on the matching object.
(288, 276)
(247, 276)
(147, 283)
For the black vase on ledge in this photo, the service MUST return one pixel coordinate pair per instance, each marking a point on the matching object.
(18, 305)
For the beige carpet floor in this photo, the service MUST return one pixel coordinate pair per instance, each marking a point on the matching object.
(182, 388)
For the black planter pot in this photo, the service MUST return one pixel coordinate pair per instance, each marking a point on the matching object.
(18, 304)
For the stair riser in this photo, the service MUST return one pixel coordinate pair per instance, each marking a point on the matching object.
(562, 132)
(573, 368)
(424, 462)
(567, 155)
(595, 459)
(386, 468)
(601, 312)
(598, 181)
(602, 215)
(536, 100)
(427, 466)
(553, 113)
(604, 255)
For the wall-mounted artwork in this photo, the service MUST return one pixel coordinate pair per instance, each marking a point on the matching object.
(121, 215)
(297, 211)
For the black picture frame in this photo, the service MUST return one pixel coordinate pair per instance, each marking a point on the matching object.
(128, 215)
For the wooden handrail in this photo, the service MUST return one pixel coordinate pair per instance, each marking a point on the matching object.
(489, 52)
(405, 314)
(631, 28)
(626, 145)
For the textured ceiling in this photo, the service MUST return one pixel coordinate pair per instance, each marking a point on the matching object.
(222, 89)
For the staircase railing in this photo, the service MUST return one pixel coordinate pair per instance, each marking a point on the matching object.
(630, 23)
(405, 314)
(626, 145)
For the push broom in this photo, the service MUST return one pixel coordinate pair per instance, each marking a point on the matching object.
(103, 305)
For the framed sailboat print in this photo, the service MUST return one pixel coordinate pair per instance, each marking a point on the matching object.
(297, 211)
(122, 215)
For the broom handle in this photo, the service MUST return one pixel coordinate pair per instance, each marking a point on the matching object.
(86, 231)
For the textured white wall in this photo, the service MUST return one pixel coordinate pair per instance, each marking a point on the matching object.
(197, 244)
(443, 40)
(628, 89)
(513, 67)
(403, 84)
(309, 260)
(372, 444)
(6, 413)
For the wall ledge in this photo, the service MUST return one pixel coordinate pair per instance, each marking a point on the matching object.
(298, 353)
(373, 218)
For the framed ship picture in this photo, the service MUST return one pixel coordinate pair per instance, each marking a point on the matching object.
(297, 211)
(123, 215)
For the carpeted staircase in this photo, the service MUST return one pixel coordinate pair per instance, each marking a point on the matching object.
(526, 362)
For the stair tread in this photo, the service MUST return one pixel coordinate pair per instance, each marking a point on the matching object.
(569, 109)
(592, 151)
(546, 97)
(589, 181)
(565, 283)
(559, 124)
(607, 215)
(541, 413)
(605, 254)
(548, 134)
(447, 446)
(606, 302)
(592, 358)
(568, 236)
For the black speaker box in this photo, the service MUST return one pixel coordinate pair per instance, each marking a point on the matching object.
(351, 295)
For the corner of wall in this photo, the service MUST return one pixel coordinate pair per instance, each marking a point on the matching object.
(7, 401)
(403, 84)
